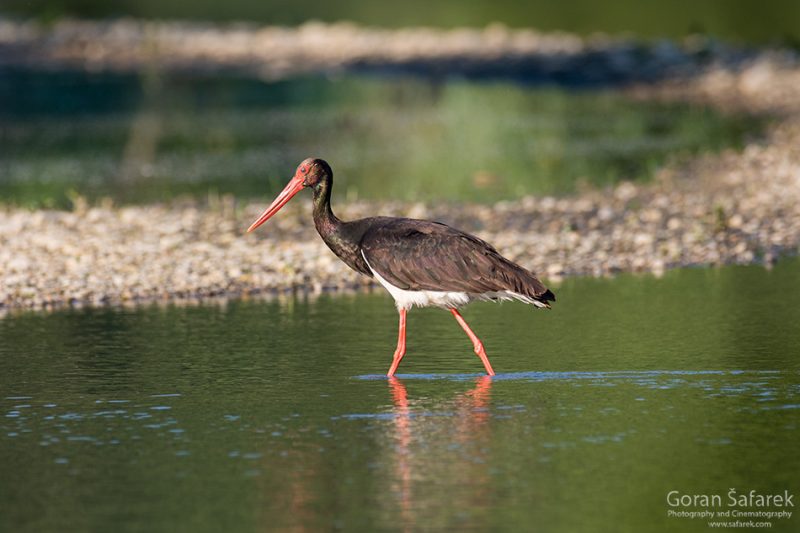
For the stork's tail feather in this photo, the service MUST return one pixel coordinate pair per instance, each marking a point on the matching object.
(528, 288)
(543, 299)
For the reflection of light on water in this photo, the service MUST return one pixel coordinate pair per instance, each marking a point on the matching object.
(403, 438)
(416, 441)
(545, 376)
(760, 387)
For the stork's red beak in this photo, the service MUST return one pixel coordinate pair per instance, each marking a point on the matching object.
(294, 186)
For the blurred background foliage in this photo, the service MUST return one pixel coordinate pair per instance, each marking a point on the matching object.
(747, 21)
(404, 138)
(154, 135)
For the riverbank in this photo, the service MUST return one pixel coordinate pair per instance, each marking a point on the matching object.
(735, 207)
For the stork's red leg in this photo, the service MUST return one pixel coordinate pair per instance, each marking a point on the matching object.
(476, 342)
(401, 344)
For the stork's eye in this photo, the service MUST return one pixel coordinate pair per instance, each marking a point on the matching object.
(303, 170)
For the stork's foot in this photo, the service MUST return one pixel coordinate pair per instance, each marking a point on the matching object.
(396, 358)
(476, 342)
(401, 344)
(480, 352)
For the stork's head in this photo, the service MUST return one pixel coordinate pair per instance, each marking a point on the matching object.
(313, 173)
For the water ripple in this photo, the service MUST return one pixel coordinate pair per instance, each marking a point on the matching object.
(637, 375)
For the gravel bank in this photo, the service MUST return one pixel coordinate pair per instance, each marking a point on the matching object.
(737, 208)
(276, 52)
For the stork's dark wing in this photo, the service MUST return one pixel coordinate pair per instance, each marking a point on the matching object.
(421, 255)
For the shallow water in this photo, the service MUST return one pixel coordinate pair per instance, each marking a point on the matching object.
(152, 138)
(262, 415)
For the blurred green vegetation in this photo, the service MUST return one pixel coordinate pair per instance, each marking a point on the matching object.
(749, 21)
(387, 138)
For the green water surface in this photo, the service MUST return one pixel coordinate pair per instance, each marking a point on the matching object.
(260, 416)
(153, 138)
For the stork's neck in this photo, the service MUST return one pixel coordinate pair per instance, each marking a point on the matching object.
(343, 238)
(326, 222)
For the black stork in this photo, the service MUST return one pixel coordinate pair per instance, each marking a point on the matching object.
(419, 262)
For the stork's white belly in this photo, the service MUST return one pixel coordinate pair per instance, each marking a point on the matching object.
(405, 299)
